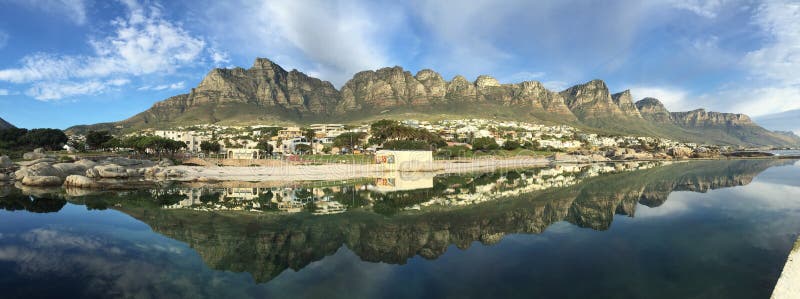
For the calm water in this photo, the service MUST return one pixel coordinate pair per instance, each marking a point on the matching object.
(711, 229)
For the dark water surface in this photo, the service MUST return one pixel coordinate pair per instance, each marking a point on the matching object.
(705, 229)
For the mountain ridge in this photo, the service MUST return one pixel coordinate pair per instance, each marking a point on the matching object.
(266, 92)
(5, 125)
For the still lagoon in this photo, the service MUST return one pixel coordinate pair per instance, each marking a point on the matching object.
(702, 229)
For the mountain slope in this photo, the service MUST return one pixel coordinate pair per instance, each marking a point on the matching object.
(5, 125)
(267, 93)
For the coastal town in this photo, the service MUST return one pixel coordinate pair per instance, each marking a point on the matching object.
(459, 137)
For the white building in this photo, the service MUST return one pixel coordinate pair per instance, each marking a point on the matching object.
(191, 138)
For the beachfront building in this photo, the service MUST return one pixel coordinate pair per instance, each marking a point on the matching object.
(192, 139)
(290, 133)
(327, 130)
(392, 160)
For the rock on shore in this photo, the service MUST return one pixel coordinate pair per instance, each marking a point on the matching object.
(83, 173)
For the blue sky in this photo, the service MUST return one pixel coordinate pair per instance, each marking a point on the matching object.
(68, 62)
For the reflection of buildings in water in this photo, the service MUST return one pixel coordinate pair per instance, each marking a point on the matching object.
(478, 189)
(555, 177)
(325, 207)
(398, 181)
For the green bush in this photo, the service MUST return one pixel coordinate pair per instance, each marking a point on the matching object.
(484, 144)
(453, 151)
(406, 145)
(510, 145)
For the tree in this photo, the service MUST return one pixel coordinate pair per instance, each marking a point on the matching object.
(209, 147)
(510, 145)
(10, 138)
(50, 139)
(96, 139)
(302, 148)
(265, 146)
(348, 140)
(484, 144)
(309, 134)
(388, 130)
(406, 145)
(113, 143)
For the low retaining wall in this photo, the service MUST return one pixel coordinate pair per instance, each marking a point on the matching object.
(788, 286)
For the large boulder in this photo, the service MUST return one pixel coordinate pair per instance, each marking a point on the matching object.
(5, 162)
(5, 177)
(35, 180)
(703, 152)
(165, 163)
(37, 161)
(86, 164)
(92, 173)
(128, 162)
(35, 154)
(680, 152)
(112, 171)
(39, 169)
(70, 168)
(79, 181)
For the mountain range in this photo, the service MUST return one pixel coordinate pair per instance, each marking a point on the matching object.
(783, 121)
(267, 93)
(5, 125)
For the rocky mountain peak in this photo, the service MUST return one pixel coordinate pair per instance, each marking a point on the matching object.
(652, 109)
(591, 100)
(484, 81)
(624, 101)
(428, 74)
(265, 64)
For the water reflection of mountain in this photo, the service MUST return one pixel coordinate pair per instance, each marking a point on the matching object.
(267, 244)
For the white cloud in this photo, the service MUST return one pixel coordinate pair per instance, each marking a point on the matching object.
(761, 101)
(522, 76)
(48, 91)
(555, 85)
(74, 10)
(173, 86)
(142, 43)
(219, 58)
(704, 8)
(674, 99)
(4, 92)
(779, 59)
(330, 39)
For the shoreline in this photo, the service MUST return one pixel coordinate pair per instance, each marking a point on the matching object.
(334, 172)
(788, 285)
